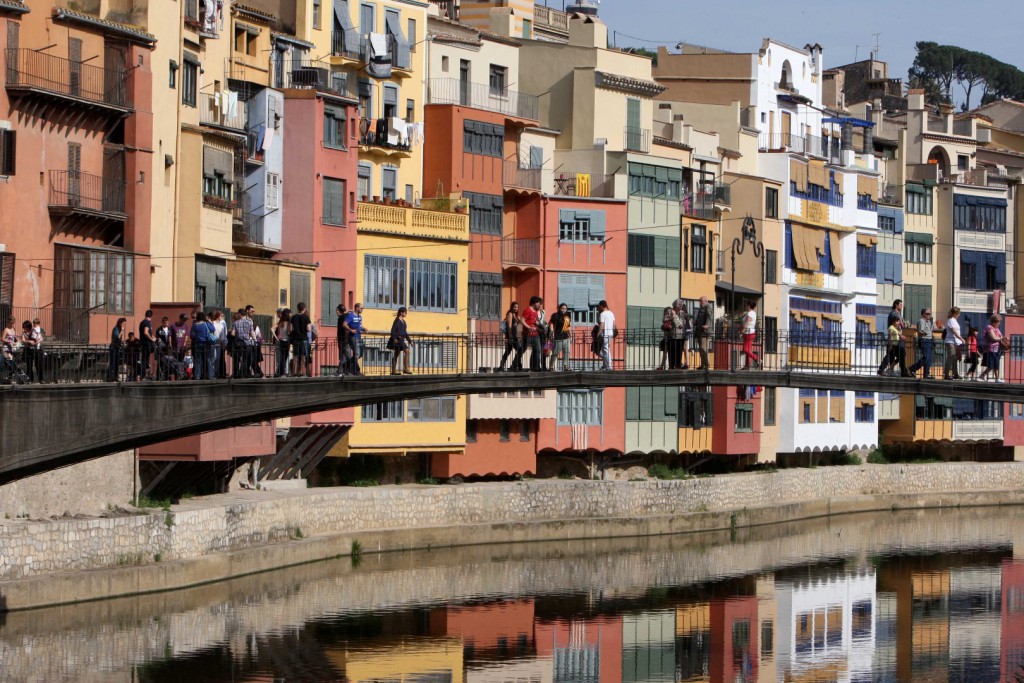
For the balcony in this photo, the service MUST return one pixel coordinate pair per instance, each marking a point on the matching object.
(891, 194)
(636, 139)
(214, 112)
(411, 222)
(812, 145)
(706, 203)
(515, 176)
(482, 96)
(75, 192)
(888, 130)
(551, 19)
(377, 135)
(347, 45)
(253, 154)
(311, 74)
(520, 252)
(247, 229)
(196, 19)
(31, 73)
(570, 184)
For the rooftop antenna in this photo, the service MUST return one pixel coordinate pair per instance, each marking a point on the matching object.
(874, 55)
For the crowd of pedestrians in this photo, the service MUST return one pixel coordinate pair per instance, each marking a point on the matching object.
(208, 346)
(960, 346)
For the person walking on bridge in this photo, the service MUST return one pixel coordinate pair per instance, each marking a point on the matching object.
(925, 344)
(607, 332)
(702, 329)
(400, 343)
(749, 324)
(116, 346)
(994, 342)
(888, 360)
(954, 343)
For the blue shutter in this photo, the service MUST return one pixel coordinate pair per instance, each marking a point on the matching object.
(536, 157)
(566, 216)
(597, 223)
(790, 259)
(596, 289)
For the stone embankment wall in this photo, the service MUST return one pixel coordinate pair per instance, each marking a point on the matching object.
(559, 508)
(87, 488)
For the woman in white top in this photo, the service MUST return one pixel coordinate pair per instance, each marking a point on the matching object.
(749, 334)
(954, 346)
(219, 342)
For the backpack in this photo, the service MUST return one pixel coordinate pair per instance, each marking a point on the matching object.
(503, 328)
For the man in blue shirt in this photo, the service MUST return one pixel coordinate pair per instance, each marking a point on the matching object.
(354, 328)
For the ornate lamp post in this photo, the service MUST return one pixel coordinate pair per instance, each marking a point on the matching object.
(738, 243)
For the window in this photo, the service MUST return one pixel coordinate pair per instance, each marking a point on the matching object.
(653, 251)
(471, 430)
(498, 79)
(698, 248)
(524, 430)
(771, 202)
(389, 183)
(434, 353)
(933, 408)
(333, 202)
(695, 408)
(189, 80)
(485, 213)
(273, 199)
(866, 260)
(580, 407)
(770, 398)
(437, 409)
(1017, 346)
(962, 162)
(979, 214)
(771, 267)
(410, 110)
(331, 294)
(390, 101)
(917, 252)
(483, 138)
(744, 417)
(411, 34)
(887, 223)
(581, 293)
(767, 640)
(384, 281)
(365, 181)
(771, 334)
(982, 270)
(919, 200)
(391, 411)
(316, 13)
(655, 181)
(433, 286)
(527, 29)
(485, 295)
(245, 39)
(1016, 411)
(334, 127)
(864, 406)
(503, 430)
(581, 226)
(652, 404)
(172, 74)
(8, 147)
(831, 195)
(97, 280)
(867, 318)
(815, 322)
(366, 110)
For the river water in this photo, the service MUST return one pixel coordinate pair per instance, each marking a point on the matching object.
(907, 596)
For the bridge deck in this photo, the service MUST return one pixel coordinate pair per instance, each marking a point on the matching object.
(50, 426)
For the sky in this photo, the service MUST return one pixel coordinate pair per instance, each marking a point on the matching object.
(992, 26)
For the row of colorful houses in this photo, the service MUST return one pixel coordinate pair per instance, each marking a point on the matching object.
(456, 157)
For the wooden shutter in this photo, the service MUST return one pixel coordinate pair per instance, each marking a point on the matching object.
(299, 290)
(8, 140)
(7, 279)
(75, 59)
(12, 45)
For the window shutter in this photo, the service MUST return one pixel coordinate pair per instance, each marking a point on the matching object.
(674, 249)
(597, 228)
(566, 215)
(658, 403)
(536, 157)
(8, 142)
(7, 279)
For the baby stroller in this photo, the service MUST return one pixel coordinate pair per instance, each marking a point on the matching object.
(168, 364)
(10, 370)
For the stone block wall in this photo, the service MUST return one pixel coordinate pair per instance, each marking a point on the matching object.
(250, 519)
(87, 488)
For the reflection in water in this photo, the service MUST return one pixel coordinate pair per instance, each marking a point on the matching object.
(923, 596)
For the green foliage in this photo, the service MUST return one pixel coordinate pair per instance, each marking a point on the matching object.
(357, 549)
(429, 481)
(846, 459)
(297, 534)
(364, 482)
(168, 519)
(145, 502)
(877, 457)
(662, 471)
(937, 68)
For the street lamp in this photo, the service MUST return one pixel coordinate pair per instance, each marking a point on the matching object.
(749, 234)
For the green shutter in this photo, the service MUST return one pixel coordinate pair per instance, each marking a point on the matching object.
(671, 403)
(633, 403)
(646, 403)
(674, 253)
(658, 404)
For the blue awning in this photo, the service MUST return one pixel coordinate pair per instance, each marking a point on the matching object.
(860, 123)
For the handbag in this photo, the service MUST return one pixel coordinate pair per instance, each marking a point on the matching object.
(667, 326)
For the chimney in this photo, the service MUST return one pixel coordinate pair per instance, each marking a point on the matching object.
(847, 137)
(677, 128)
(587, 31)
(915, 99)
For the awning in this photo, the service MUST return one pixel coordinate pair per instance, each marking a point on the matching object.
(868, 185)
(817, 174)
(867, 240)
(798, 174)
(808, 242)
(919, 237)
(868, 320)
(836, 253)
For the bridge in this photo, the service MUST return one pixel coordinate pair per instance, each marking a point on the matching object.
(49, 426)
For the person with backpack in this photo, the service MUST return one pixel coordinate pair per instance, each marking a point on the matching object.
(605, 332)
(512, 330)
(203, 335)
(560, 327)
